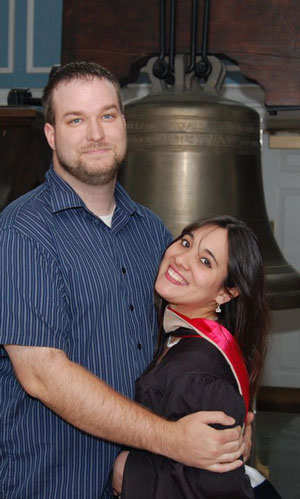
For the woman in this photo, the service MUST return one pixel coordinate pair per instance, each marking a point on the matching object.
(210, 282)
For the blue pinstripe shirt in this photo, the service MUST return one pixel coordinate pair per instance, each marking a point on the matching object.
(70, 282)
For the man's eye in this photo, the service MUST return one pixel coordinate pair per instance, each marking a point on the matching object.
(76, 121)
(107, 116)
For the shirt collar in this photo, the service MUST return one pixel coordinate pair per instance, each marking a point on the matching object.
(124, 201)
(63, 196)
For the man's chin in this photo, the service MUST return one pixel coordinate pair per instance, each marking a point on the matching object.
(95, 177)
(99, 180)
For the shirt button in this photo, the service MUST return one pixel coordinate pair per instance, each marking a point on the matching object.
(131, 307)
(139, 346)
(123, 270)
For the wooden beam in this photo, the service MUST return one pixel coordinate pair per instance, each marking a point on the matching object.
(262, 36)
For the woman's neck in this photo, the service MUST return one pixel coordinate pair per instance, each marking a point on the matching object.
(193, 313)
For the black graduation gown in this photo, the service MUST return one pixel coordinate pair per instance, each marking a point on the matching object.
(193, 376)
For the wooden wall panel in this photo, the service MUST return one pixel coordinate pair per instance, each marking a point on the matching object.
(24, 152)
(262, 36)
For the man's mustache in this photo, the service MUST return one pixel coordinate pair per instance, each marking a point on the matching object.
(96, 147)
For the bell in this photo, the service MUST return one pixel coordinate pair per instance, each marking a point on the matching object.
(194, 154)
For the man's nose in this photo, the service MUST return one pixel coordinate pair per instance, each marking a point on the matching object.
(95, 130)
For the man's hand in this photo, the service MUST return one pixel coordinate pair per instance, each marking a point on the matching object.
(207, 448)
(248, 436)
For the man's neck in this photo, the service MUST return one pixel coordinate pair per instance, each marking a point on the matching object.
(99, 199)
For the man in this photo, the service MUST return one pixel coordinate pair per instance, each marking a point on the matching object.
(78, 262)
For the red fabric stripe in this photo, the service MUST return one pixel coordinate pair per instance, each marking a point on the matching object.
(225, 342)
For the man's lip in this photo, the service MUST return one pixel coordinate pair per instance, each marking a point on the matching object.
(99, 150)
(175, 277)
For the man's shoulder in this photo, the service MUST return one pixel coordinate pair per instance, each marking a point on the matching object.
(151, 215)
(27, 211)
(133, 206)
(155, 225)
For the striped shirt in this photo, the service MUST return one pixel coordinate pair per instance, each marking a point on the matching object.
(70, 282)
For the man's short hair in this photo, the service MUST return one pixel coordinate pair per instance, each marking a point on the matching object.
(81, 70)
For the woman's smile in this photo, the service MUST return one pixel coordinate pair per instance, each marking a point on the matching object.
(173, 276)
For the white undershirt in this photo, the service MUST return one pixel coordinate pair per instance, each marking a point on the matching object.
(107, 219)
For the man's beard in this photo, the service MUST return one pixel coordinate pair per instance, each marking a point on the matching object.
(87, 175)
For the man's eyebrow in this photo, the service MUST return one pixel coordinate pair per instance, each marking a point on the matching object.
(72, 113)
(78, 112)
(110, 106)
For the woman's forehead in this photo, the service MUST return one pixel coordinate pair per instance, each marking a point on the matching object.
(213, 232)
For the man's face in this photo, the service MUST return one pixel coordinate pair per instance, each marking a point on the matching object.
(89, 136)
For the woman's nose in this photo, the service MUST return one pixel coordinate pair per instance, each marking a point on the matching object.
(182, 259)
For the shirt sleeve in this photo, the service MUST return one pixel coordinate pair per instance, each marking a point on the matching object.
(33, 308)
(155, 477)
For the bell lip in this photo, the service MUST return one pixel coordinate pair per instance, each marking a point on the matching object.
(283, 290)
(283, 301)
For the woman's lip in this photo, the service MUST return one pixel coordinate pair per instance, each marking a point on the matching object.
(173, 276)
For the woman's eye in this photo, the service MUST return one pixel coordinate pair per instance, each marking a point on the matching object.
(185, 243)
(205, 261)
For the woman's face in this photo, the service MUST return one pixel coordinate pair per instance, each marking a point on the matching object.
(193, 270)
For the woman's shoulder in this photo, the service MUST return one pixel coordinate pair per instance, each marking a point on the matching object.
(191, 355)
(195, 352)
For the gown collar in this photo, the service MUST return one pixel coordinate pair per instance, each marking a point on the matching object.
(221, 338)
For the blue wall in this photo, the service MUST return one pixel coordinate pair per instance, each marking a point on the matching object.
(30, 41)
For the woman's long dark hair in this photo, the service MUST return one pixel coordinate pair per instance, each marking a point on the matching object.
(246, 316)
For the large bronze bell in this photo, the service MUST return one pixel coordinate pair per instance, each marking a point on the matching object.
(193, 154)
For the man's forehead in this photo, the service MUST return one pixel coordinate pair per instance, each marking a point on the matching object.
(79, 93)
(81, 82)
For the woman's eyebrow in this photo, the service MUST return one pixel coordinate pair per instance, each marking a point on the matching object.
(212, 255)
(209, 252)
(188, 234)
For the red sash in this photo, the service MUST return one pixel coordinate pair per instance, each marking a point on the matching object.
(223, 340)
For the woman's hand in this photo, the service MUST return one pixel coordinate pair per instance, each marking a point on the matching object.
(118, 470)
(248, 436)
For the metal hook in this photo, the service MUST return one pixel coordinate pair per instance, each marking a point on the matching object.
(193, 37)
(160, 67)
(203, 67)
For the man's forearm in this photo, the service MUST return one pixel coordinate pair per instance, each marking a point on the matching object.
(82, 399)
(88, 403)
(91, 405)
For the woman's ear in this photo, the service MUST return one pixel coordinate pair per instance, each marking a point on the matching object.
(227, 294)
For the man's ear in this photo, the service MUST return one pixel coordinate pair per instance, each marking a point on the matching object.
(227, 294)
(50, 135)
